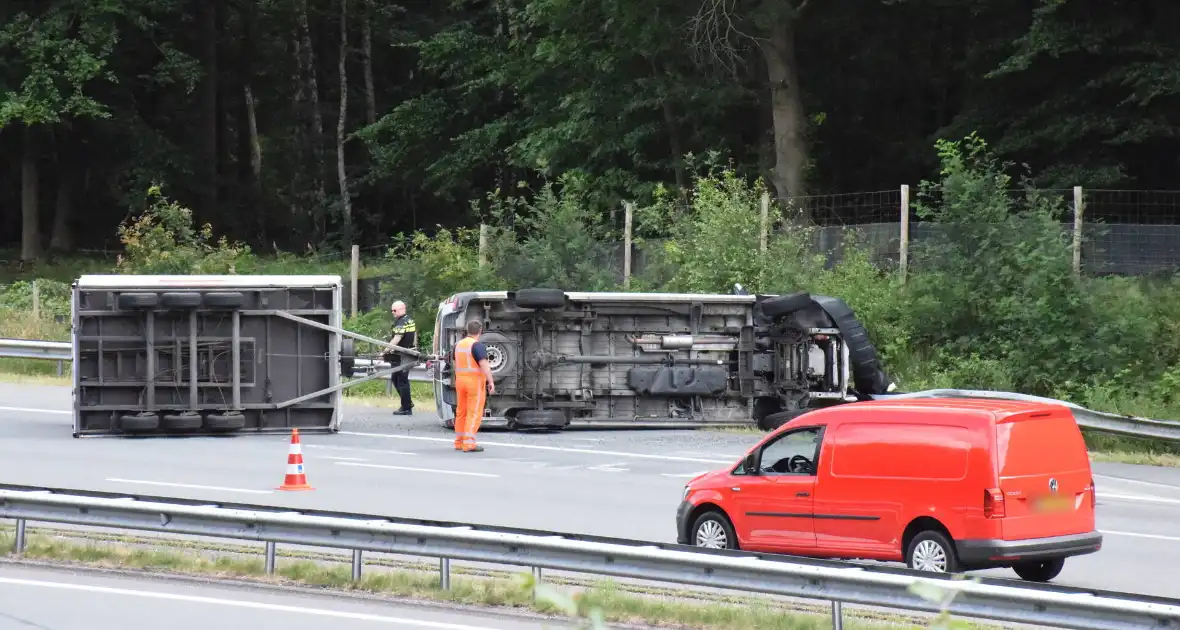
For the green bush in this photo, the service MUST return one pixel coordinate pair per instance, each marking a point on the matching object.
(163, 240)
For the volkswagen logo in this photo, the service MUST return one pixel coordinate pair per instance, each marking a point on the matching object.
(1053, 486)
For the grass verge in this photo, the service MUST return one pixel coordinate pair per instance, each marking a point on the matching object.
(621, 603)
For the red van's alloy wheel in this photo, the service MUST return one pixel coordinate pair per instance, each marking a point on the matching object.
(713, 531)
(932, 551)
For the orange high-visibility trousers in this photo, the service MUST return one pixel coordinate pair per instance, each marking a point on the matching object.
(470, 390)
(471, 394)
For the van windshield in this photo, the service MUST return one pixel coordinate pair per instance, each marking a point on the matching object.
(1040, 446)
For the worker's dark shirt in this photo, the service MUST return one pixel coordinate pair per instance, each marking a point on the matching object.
(408, 329)
(479, 352)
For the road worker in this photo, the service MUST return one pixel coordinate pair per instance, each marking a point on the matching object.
(473, 381)
(405, 335)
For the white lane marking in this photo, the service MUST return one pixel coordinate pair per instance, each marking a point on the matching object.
(188, 485)
(1129, 497)
(300, 610)
(427, 470)
(30, 410)
(358, 449)
(609, 467)
(1138, 535)
(1144, 483)
(688, 475)
(346, 459)
(587, 451)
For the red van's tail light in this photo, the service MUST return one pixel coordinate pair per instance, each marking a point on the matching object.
(1093, 495)
(993, 503)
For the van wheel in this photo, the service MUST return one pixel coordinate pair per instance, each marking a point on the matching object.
(932, 551)
(1039, 570)
(712, 530)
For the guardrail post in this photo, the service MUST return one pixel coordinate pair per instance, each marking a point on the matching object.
(59, 368)
(356, 565)
(444, 573)
(270, 557)
(837, 615)
(18, 542)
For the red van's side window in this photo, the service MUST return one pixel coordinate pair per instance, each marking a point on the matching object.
(1040, 446)
(900, 451)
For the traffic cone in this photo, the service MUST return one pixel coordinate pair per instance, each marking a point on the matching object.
(296, 479)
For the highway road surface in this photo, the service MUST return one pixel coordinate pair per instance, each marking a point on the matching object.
(611, 483)
(59, 599)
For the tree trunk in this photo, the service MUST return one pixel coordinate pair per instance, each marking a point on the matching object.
(209, 109)
(790, 150)
(61, 239)
(367, 52)
(30, 238)
(341, 125)
(317, 117)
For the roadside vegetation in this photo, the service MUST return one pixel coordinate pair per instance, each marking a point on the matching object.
(608, 600)
(991, 303)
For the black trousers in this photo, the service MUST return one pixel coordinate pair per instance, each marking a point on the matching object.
(401, 382)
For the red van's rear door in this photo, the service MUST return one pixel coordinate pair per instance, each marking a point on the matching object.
(1045, 476)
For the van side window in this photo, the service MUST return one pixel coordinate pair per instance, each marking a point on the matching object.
(792, 454)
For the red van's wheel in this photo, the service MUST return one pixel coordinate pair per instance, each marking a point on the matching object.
(932, 551)
(712, 530)
(1039, 570)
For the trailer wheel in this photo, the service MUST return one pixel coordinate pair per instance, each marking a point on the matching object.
(132, 301)
(225, 421)
(540, 298)
(187, 299)
(139, 422)
(347, 357)
(187, 421)
(225, 299)
(785, 304)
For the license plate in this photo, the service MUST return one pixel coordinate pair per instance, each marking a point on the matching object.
(1052, 504)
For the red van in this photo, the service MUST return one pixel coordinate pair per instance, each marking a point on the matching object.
(944, 485)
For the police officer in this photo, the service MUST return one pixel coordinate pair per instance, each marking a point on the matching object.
(405, 335)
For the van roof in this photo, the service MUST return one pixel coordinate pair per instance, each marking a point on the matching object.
(995, 409)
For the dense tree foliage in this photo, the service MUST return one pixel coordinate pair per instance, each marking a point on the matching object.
(236, 106)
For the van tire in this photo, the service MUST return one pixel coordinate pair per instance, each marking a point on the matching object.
(1039, 570)
(772, 421)
(716, 524)
(540, 298)
(928, 542)
(780, 305)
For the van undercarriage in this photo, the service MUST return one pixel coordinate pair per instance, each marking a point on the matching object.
(648, 359)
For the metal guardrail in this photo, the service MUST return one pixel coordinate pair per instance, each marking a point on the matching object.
(837, 582)
(62, 351)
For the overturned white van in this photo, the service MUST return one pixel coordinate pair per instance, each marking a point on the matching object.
(657, 359)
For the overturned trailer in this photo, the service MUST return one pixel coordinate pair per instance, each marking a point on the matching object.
(643, 359)
(210, 354)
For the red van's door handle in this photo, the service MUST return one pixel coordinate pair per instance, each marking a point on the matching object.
(802, 494)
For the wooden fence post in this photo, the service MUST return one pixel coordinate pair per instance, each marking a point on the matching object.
(629, 209)
(764, 230)
(903, 258)
(1079, 207)
(354, 270)
(483, 244)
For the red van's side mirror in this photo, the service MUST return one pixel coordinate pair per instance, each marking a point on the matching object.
(751, 464)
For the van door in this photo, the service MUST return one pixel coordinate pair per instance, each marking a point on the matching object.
(776, 504)
(1044, 476)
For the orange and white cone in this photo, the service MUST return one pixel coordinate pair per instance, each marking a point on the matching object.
(296, 479)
